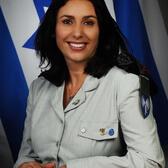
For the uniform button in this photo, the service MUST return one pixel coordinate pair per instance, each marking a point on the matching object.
(83, 130)
(76, 102)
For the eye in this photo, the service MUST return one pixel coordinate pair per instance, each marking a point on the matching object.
(89, 23)
(67, 21)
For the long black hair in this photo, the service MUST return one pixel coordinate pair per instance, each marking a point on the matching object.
(111, 50)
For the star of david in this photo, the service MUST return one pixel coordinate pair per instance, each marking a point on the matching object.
(39, 5)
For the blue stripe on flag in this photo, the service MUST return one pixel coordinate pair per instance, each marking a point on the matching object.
(13, 89)
(130, 20)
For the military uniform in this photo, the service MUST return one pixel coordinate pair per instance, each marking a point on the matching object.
(102, 126)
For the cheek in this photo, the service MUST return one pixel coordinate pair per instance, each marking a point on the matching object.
(95, 38)
(94, 34)
(60, 34)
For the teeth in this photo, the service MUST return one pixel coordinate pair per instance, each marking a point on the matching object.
(75, 45)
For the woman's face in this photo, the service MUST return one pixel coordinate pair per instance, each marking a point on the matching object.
(77, 31)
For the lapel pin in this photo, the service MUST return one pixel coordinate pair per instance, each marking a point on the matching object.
(76, 102)
(102, 131)
(111, 132)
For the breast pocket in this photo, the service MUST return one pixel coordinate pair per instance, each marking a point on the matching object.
(104, 136)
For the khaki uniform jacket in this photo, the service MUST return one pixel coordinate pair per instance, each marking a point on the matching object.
(102, 126)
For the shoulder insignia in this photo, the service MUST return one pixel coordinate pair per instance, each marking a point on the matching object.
(145, 95)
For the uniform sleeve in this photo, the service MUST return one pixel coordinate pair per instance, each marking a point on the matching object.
(140, 135)
(26, 152)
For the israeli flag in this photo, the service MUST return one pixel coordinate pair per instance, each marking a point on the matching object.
(140, 21)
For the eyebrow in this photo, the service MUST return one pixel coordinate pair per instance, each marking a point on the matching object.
(72, 17)
(90, 16)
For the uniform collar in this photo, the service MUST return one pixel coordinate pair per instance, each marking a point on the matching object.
(91, 83)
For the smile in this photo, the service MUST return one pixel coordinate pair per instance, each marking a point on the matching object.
(77, 46)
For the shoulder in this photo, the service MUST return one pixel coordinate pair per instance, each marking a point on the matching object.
(40, 83)
(122, 82)
(121, 79)
(41, 87)
(119, 75)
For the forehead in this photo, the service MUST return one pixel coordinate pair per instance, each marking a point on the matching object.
(77, 8)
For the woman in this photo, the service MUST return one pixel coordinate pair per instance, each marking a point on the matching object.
(85, 110)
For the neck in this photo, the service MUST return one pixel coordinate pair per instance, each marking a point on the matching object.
(76, 73)
(76, 78)
(73, 85)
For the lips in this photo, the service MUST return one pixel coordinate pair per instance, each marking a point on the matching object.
(77, 46)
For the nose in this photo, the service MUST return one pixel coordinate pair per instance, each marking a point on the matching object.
(77, 31)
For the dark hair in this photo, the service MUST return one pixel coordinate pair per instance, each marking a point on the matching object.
(111, 50)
